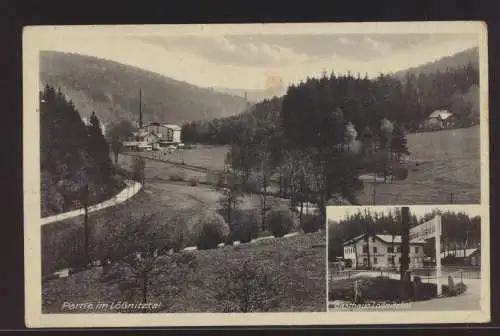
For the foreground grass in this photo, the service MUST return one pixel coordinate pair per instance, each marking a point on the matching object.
(299, 261)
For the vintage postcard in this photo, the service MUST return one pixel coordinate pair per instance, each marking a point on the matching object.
(197, 175)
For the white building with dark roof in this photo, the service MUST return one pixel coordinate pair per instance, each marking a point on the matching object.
(382, 251)
(439, 119)
(168, 134)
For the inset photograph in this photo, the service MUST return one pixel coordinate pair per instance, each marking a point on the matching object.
(413, 258)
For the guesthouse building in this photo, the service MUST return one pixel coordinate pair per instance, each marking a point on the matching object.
(382, 251)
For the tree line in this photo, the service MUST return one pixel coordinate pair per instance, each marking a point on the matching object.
(407, 101)
(75, 161)
(324, 132)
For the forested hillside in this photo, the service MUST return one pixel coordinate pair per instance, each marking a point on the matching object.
(74, 158)
(364, 102)
(112, 90)
(458, 60)
(326, 132)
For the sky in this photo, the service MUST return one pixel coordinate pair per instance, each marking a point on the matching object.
(336, 213)
(263, 61)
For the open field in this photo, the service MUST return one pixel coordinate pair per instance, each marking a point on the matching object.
(444, 168)
(298, 260)
(210, 157)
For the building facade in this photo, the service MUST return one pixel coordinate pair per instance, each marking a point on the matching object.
(382, 252)
(167, 134)
(439, 119)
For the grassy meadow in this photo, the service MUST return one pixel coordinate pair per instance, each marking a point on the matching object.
(444, 168)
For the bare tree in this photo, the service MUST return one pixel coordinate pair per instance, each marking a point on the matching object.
(231, 198)
(138, 261)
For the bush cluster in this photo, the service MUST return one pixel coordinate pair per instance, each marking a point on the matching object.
(244, 225)
(458, 289)
(382, 289)
(178, 176)
(311, 223)
(208, 229)
(281, 220)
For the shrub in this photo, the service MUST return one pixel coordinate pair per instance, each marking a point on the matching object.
(253, 184)
(400, 173)
(221, 180)
(208, 229)
(281, 221)
(216, 179)
(311, 224)
(458, 289)
(178, 176)
(193, 182)
(211, 178)
(244, 225)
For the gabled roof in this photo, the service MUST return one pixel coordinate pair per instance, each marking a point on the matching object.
(442, 114)
(174, 127)
(384, 238)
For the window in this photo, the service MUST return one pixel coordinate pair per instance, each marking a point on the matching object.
(374, 249)
(398, 249)
(375, 261)
(390, 249)
(365, 249)
(365, 261)
(416, 249)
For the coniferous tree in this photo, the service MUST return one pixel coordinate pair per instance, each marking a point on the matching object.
(399, 142)
(68, 160)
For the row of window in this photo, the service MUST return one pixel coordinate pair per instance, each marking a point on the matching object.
(390, 249)
(390, 260)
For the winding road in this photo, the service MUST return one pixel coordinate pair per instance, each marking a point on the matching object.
(128, 192)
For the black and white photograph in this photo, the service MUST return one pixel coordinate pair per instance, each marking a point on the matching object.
(190, 169)
(406, 258)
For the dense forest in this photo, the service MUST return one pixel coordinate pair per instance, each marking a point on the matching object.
(364, 102)
(75, 162)
(459, 230)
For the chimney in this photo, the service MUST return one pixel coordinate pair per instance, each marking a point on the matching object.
(140, 108)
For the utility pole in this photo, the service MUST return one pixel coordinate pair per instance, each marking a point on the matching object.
(405, 242)
(85, 199)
